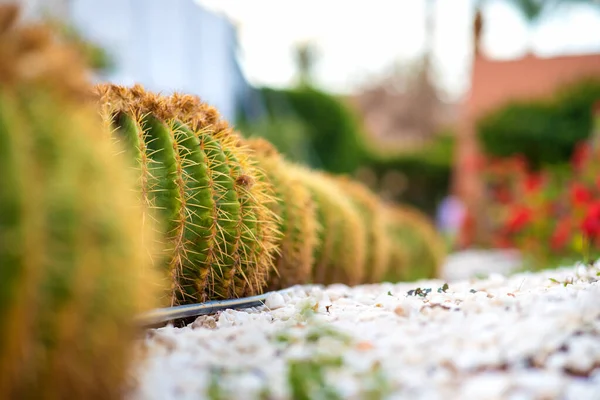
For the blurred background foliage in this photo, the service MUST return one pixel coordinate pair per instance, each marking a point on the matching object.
(331, 135)
(545, 131)
(321, 130)
(420, 177)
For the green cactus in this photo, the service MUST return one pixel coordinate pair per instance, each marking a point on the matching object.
(341, 253)
(199, 178)
(73, 265)
(416, 243)
(297, 223)
(224, 218)
(346, 234)
(373, 213)
(231, 229)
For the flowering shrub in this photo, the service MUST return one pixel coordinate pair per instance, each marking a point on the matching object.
(551, 215)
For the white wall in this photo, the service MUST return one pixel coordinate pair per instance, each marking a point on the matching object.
(166, 45)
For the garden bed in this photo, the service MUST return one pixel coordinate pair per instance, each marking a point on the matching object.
(526, 336)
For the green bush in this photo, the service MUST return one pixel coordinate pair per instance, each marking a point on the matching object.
(545, 131)
(331, 131)
(319, 130)
(426, 173)
(288, 135)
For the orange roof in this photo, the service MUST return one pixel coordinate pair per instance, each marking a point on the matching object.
(494, 82)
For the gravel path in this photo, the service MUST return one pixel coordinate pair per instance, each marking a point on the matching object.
(470, 263)
(529, 336)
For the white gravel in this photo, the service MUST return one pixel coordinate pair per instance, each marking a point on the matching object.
(528, 336)
(468, 263)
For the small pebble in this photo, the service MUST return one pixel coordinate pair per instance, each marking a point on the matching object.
(274, 301)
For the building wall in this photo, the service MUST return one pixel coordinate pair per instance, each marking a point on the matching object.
(166, 45)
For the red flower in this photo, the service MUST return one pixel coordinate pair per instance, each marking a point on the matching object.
(519, 163)
(580, 155)
(580, 195)
(591, 222)
(503, 195)
(503, 242)
(518, 219)
(596, 108)
(533, 183)
(561, 234)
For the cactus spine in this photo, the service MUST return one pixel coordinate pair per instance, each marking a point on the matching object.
(342, 232)
(205, 189)
(72, 261)
(297, 223)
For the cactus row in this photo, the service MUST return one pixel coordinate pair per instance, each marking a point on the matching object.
(236, 218)
(355, 237)
(72, 260)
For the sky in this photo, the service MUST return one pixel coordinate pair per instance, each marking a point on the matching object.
(359, 40)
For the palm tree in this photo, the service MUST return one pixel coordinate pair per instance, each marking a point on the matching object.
(534, 10)
(306, 55)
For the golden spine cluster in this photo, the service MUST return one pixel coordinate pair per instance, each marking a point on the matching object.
(197, 177)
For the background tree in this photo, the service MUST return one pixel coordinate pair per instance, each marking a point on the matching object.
(305, 54)
(534, 11)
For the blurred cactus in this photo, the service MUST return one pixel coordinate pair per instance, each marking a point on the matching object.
(373, 214)
(341, 252)
(197, 177)
(418, 251)
(72, 260)
(95, 56)
(342, 232)
(297, 223)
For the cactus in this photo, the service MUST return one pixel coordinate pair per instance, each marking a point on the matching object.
(416, 243)
(73, 269)
(341, 254)
(196, 174)
(373, 213)
(297, 224)
(346, 234)
(231, 228)
(225, 233)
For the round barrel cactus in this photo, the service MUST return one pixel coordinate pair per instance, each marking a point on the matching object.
(73, 266)
(418, 250)
(196, 176)
(298, 225)
(341, 252)
(373, 214)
